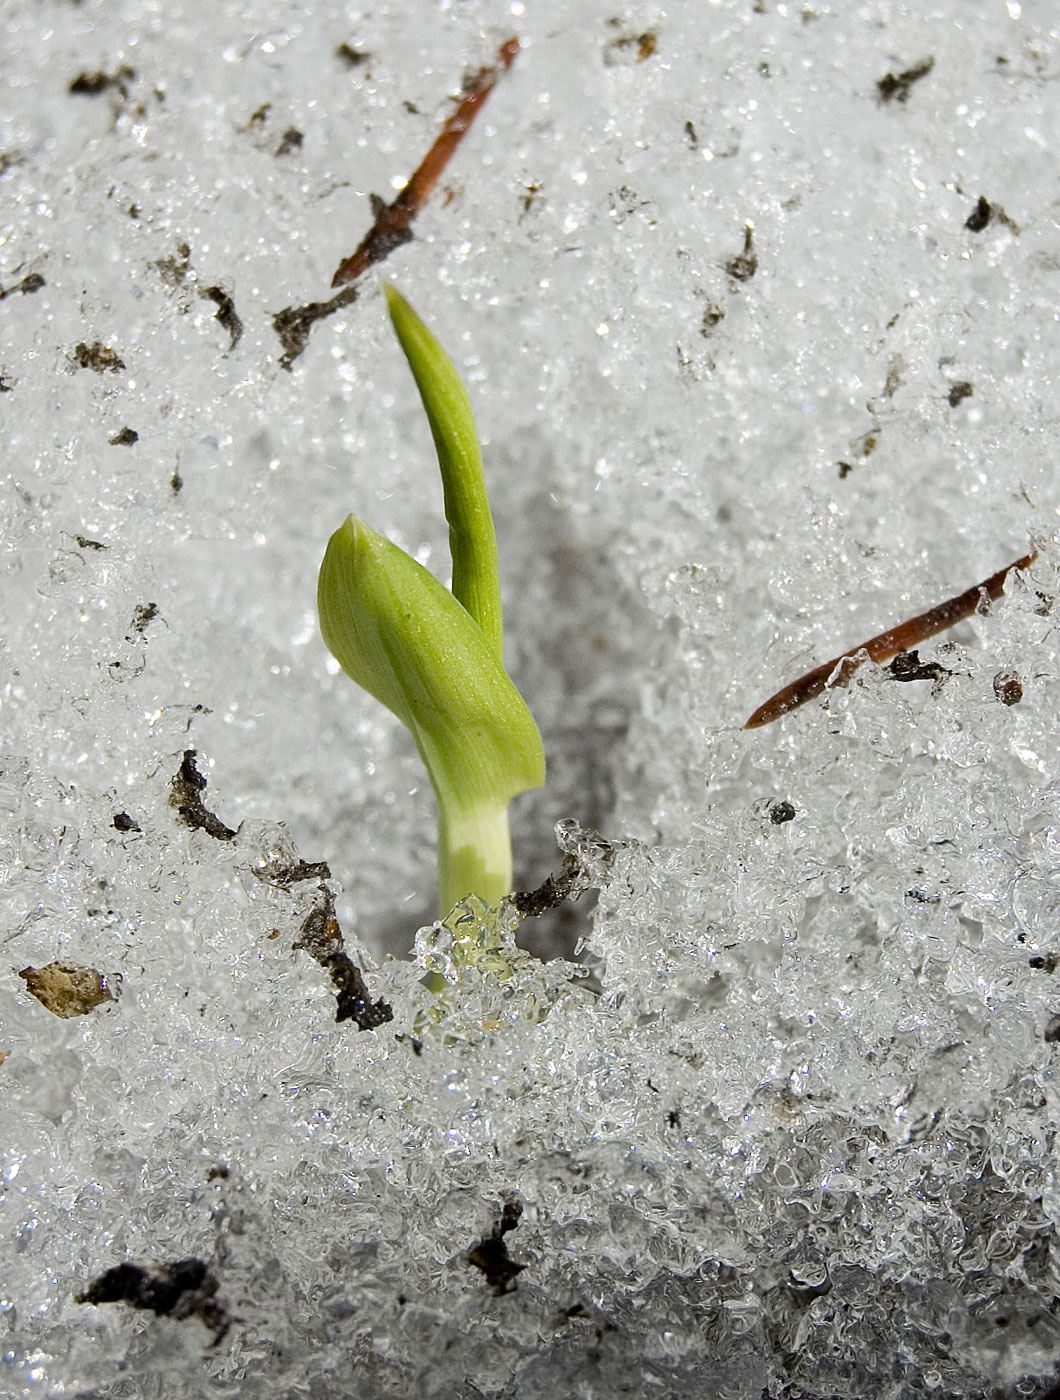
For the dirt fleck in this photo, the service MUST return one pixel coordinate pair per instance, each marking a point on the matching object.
(92, 84)
(98, 357)
(744, 265)
(896, 87)
(65, 989)
(181, 1289)
(291, 140)
(225, 313)
(490, 1255)
(321, 937)
(1008, 687)
(350, 57)
(186, 792)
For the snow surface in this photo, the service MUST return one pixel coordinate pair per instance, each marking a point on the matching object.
(787, 1127)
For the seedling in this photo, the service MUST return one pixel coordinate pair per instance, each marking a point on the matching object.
(435, 657)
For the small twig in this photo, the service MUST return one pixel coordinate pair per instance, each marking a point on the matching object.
(392, 220)
(391, 227)
(887, 644)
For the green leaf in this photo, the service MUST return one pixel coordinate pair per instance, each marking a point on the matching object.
(472, 542)
(403, 637)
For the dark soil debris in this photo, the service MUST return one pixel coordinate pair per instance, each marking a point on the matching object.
(781, 812)
(98, 357)
(92, 84)
(83, 542)
(630, 48)
(294, 323)
(286, 873)
(174, 271)
(142, 615)
(124, 437)
(959, 391)
(65, 989)
(31, 283)
(1008, 687)
(123, 822)
(572, 881)
(895, 87)
(985, 214)
(181, 1289)
(744, 265)
(907, 666)
(350, 57)
(490, 1256)
(186, 796)
(291, 140)
(321, 938)
(226, 313)
(980, 216)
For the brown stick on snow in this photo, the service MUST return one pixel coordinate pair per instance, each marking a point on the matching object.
(391, 227)
(885, 645)
(392, 220)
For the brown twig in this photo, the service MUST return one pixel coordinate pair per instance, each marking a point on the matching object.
(390, 228)
(886, 645)
(392, 220)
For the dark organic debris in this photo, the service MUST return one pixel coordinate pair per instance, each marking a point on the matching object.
(291, 140)
(294, 323)
(895, 87)
(886, 645)
(781, 812)
(31, 283)
(98, 357)
(173, 271)
(124, 437)
(83, 542)
(321, 938)
(630, 48)
(181, 1289)
(980, 216)
(351, 57)
(573, 880)
(1052, 1030)
(491, 1255)
(92, 84)
(744, 265)
(1008, 687)
(225, 313)
(186, 796)
(907, 666)
(959, 391)
(67, 990)
(142, 615)
(123, 822)
(284, 874)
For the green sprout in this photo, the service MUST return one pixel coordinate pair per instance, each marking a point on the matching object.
(434, 657)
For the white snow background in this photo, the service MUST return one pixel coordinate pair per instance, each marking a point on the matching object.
(794, 1135)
